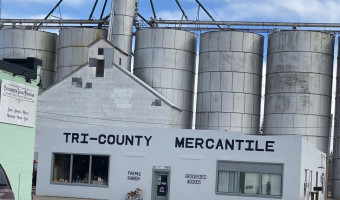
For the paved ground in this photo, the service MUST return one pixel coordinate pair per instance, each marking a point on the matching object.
(55, 198)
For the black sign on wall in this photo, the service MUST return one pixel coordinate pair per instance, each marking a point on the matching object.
(134, 176)
(195, 178)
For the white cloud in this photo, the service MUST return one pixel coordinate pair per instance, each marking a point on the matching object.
(78, 2)
(5, 15)
(261, 10)
(54, 2)
(271, 10)
(31, 1)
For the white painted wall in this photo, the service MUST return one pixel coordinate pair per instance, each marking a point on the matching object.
(313, 160)
(162, 152)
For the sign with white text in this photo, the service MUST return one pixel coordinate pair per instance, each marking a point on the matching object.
(17, 103)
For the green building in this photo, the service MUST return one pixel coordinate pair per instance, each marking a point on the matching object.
(19, 79)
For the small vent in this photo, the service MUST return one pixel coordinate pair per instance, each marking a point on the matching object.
(157, 102)
(77, 82)
(88, 85)
(100, 51)
(93, 62)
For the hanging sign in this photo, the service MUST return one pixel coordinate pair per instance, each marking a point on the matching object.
(17, 103)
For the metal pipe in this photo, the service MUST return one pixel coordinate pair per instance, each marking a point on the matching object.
(153, 9)
(101, 15)
(206, 11)
(104, 20)
(146, 21)
(50, 13)
(55, 7)
(51, 21)
(94, 7)
(244, 23)
(28, 27)
(252, 30)
(180, 7)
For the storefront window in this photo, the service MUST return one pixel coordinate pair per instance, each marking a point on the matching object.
(61, 168)
(227, 182)
(271, 184)
(249, 183)
(100, 170)
(80, 169)
(249, 179)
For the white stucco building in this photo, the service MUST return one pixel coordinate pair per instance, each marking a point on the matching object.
(176, 164)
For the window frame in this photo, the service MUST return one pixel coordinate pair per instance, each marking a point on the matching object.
(236, 184)
(281, 184)
(249, 167)
(71, 168)
(100, 51)
(259, 182)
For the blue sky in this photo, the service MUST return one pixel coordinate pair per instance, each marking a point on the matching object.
(235, 10)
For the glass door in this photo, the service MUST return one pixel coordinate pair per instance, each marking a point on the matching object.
(160, 185)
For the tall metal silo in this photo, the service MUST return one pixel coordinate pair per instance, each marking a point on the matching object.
(299, 85)
(336, 150)
(73, 48)
(229, 81)
(165, 59)
(122, 17)
(22, 43)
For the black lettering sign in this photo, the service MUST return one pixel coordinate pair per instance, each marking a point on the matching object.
(249, 148)
(134, 176)
(178, 143)
(227, 144)
(195, 178)
(270, 146)
(103, 139)
(189, 143)
(84, 137)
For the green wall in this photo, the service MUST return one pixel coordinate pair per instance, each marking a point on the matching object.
(17, 149)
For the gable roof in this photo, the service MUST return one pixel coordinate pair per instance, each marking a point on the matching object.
(132, 76)
(108, 42)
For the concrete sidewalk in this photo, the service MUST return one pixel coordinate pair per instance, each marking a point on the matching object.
(56, 198)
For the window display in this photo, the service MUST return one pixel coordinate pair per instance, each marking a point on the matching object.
(249, 183)
(75, 169)
(271, 184)
(99, 170)
(80, 169)
(61, 168)
(250, 179)
(227, 182)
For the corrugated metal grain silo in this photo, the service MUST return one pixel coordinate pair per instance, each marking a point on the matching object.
(73, 48)
(229, 81)
(21, 43)
(336, 150)
(165, 59)
(299, 85)
(123, 14)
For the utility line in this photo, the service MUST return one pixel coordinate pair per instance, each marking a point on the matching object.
(206, 11)
(153, 9)
(94, 7)
(50, 13)
(101, 15)
(180, 7)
